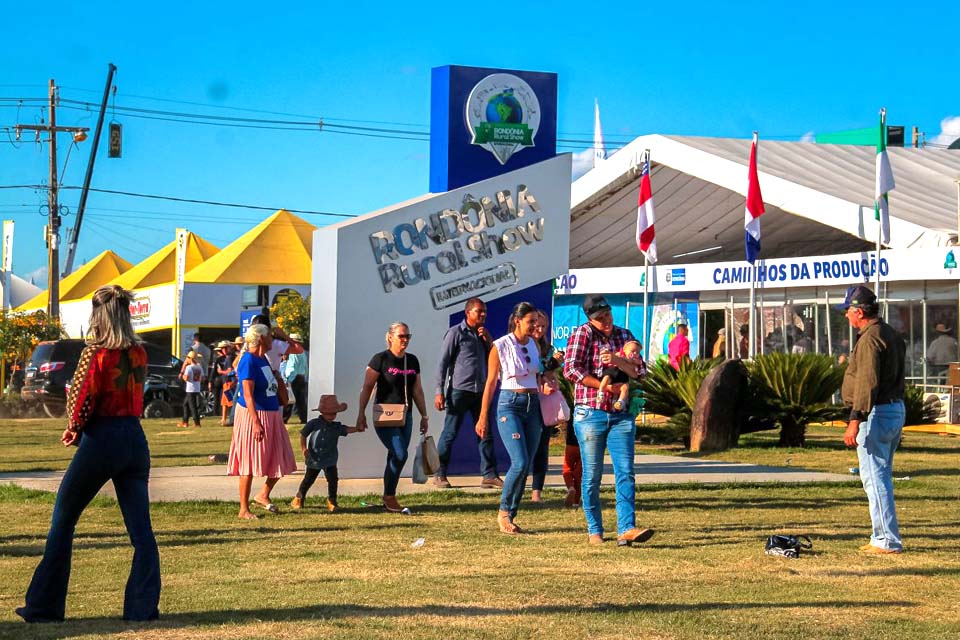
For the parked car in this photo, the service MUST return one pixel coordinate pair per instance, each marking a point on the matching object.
(53, 363)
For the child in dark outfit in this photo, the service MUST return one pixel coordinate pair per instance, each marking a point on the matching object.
(318, 441)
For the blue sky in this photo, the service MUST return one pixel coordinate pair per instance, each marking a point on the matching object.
(693, 68)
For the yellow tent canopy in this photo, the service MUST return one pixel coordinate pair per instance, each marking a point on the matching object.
(276, 251)
(161, 267)
(84, 281)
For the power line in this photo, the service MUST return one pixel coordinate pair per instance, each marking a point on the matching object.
(215, 203)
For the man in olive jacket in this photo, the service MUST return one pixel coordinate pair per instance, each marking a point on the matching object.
(873, 389)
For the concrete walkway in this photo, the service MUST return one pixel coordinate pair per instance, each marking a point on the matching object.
(171, 484)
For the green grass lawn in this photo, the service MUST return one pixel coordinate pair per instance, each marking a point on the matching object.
(354, 574)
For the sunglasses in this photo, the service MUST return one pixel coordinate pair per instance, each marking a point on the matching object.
(525, 354)
(404, 336)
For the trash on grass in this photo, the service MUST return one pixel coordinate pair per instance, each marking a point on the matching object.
(418, 543)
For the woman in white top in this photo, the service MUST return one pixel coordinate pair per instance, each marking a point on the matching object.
(515, 362)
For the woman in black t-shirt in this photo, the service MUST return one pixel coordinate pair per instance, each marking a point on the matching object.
(396, 376)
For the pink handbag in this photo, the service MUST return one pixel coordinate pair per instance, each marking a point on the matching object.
(553, 406)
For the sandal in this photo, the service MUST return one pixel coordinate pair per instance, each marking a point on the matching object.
(391, 504)
(270, 507)
(507, 525)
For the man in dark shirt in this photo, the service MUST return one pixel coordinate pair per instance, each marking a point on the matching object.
(461, 376)
(873, 387)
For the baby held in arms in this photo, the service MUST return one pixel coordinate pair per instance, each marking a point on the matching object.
(616, 380)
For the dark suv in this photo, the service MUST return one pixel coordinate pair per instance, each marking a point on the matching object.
(52, 365)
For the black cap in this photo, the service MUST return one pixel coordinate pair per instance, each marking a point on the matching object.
(858, 296)
(594, 304)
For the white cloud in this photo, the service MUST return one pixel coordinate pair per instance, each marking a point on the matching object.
(949, 131)
(808, 137)
(38, 277)
(582, 162)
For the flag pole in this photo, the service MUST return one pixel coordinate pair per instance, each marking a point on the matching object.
(883, 118)
(646, 308)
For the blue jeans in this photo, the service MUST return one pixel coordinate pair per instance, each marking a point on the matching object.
(397, 442)
(876, 442)
(110, 449)
(520, 423)
(459, 403)
(597, 431)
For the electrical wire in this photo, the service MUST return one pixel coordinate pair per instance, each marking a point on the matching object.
(213, 203)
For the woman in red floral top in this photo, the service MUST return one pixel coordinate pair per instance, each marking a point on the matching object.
(103, 412)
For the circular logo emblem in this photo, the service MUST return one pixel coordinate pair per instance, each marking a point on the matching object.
(503, 115)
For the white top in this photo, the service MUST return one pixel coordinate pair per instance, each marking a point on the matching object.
(519, 363)
(193, 374)
(277, 350)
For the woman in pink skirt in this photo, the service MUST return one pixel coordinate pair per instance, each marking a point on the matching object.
(260, 444)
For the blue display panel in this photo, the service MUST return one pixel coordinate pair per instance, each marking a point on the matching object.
(485, 122)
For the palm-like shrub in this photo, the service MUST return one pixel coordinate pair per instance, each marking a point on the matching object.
(918, 411)
(796, 389)
(673, 392)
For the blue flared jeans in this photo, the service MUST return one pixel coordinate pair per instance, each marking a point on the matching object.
(876, 442)
(110, 449)
(519, 423)
(397, 442)
(598, 431)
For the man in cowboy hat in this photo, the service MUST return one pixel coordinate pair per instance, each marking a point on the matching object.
(295, 373)
(873, 388)
(222, 361)
(942, 351)
(318, 442)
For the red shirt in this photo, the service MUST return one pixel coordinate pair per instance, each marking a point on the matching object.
(582, 358)
(108, 382)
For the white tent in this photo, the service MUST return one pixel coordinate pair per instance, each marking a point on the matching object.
(818, 197)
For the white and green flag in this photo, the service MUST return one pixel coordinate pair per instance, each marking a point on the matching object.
(884, 184)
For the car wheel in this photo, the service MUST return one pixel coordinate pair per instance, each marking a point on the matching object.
(158, 409)
(54, 409)
(209, 403)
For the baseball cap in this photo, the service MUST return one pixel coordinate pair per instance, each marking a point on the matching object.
(594, 304)
(858, 296)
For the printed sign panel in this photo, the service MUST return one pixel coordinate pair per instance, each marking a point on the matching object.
(895, 265)
(484, 122)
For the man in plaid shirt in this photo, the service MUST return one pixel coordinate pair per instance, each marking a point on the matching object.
(593, 347)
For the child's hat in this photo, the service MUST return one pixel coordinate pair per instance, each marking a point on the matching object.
(330, 404)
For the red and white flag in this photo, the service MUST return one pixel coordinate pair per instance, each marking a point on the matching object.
(646, 237)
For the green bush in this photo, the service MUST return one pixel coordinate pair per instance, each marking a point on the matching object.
(795, 389)
(673, 392)
(918, 412)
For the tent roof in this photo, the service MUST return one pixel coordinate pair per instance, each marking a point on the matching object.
(278, 250)
(161, 267)
(21, 291)
(85, 280)
(818, 200)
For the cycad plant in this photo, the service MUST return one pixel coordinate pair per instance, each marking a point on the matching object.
(673, 392)
(918, 411)
(796, 389)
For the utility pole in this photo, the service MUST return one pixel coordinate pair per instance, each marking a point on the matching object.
(53, 223)
(75, 236)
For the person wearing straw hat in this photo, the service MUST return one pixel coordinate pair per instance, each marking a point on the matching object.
(318, 442)
(295, 373)
(942, 351)
(192, 376)
(216, 379)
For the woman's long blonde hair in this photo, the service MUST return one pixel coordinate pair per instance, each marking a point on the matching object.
(110, 324)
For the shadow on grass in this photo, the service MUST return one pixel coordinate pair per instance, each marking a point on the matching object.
(174, 538)
(323, 613)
